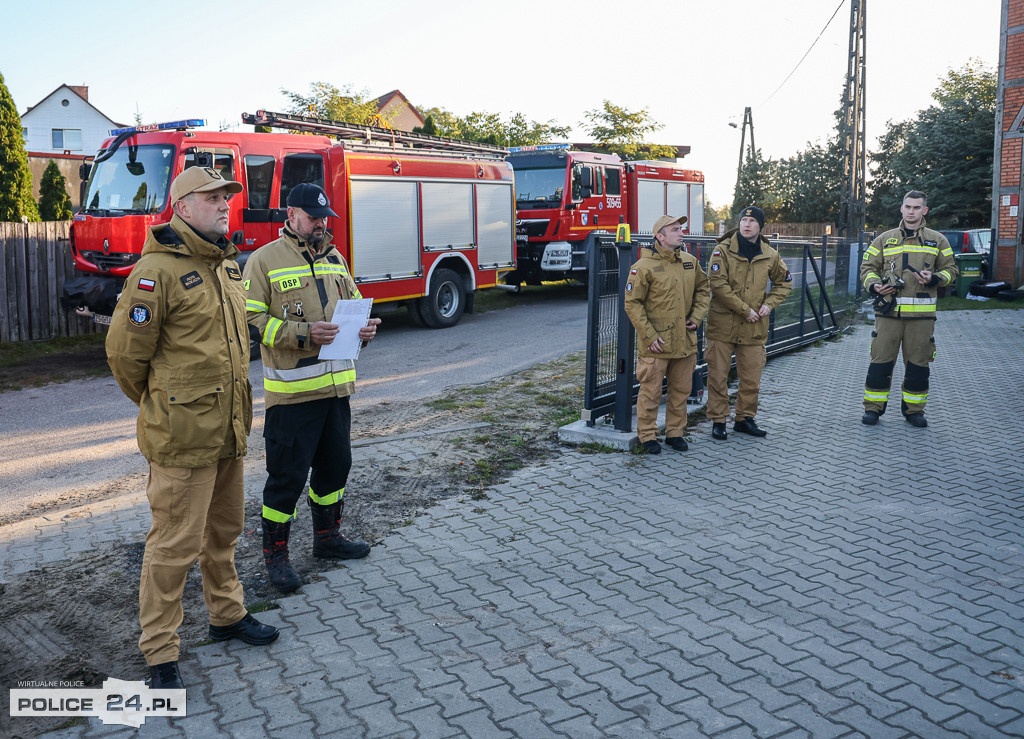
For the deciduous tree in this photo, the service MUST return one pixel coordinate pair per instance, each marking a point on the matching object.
(625, 132)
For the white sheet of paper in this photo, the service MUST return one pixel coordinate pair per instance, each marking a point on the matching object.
(349, 317)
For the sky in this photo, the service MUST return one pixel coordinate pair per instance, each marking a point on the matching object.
(694, 65)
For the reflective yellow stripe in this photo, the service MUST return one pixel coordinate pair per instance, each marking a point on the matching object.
(270, 332)
(876, 395)
(329, 269)
(315, 383)
(916, 301)
(277, 274)
(870, 250)
(914, 397)
(271, 515)
(916, 308)
(256, 306)
(948, 277)
(871, 276)
(328, 499)
(947, 252)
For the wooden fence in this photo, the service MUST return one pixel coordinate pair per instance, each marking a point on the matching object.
(35, 262)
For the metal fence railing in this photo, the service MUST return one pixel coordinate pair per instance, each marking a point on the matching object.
(825, 281)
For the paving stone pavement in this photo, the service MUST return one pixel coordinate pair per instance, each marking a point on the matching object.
(831, 580)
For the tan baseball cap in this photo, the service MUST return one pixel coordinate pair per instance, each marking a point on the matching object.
(200, 179)
(666, 221)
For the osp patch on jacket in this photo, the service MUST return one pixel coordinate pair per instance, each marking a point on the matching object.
(191, 280)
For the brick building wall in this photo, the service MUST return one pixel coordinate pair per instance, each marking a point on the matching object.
(1008, 177)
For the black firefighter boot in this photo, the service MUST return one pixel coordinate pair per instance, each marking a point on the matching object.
(275, 554)
(328, 543)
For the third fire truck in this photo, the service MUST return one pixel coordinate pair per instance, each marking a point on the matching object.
(423, 221)
(564, 197)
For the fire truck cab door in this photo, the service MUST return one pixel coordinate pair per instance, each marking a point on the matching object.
(225, 161)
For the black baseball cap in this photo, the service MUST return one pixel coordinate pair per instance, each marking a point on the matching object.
(311, 199)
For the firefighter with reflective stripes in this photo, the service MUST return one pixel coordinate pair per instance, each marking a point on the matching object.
(903, 269)
(292, 286)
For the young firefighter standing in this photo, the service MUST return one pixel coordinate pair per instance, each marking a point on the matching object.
(293, 285)
(666, 299)
(903, 268)
(179, 348)
(740, 268)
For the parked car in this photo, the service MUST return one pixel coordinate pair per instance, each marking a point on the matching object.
(977, 240)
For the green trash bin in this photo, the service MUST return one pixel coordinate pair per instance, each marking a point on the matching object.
(969, 266)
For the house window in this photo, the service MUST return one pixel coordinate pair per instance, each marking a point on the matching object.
(66, 138)
(24, 133)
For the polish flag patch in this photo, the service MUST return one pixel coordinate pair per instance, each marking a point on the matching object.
(147, 285)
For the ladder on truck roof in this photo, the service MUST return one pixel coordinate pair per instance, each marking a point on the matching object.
(374, 137)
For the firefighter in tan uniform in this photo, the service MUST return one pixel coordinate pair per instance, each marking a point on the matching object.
(292, 287)
(740, 268)
(666, 299)
(903, 269)
(178, 346)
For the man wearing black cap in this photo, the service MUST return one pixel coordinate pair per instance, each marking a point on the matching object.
(740, 267)
(293, 285)
(179, 348)
(666, 299)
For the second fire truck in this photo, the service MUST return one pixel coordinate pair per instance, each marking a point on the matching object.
(564, 197)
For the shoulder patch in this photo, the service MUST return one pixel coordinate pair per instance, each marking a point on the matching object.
(632, 271)
(139, 315)
(715, 267)
(233, 272)
(629, 287)
(789, 277)
(191, 280)
(147, 284)
(687, 265)
(246, 285)
(892, 241)
(716, 253)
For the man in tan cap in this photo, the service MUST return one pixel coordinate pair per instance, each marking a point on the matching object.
(667, 296)
(179, 348)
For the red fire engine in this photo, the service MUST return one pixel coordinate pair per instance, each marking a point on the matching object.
(563, 197)
(423, 221)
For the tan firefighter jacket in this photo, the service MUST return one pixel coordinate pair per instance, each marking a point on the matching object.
(287, 291)
(666, 288)
(178, 346)
(895, 252)
(739, 285)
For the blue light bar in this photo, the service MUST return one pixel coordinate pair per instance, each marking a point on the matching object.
(539, 147)
(170, 126)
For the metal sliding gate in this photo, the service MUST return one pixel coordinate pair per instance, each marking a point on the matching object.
(822, 272)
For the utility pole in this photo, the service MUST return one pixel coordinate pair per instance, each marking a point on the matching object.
(853, 201)
(748, 121)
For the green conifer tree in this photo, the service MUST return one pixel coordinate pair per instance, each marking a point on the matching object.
(16, 201)
(54, 202)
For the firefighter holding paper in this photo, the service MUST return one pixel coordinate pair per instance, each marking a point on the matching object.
(292, 286)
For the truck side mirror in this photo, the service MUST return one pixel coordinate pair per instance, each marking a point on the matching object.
(586, 192)
(587, 179)
(83, 170)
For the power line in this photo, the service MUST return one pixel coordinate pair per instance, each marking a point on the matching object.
(806, 53)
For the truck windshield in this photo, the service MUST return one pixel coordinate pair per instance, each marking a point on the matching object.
(539, 188)
(135, 179)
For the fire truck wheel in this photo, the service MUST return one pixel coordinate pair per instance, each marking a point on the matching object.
(446, 302)
(414, 313)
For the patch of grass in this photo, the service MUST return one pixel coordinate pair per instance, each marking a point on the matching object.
(263, 605)
(594, 447)
(953, 302)
(475, 404)
(479, 390)
(443, 404)
(550, 399)
(24, 351)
